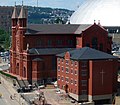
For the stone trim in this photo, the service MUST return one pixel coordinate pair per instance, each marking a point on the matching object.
(99, 97)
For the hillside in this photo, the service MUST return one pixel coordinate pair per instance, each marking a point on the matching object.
(42, 15)
(36, 15)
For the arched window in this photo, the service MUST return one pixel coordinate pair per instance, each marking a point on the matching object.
(24, 72)
(17, 69)
(49, 43)
(39, 42)
(17, 66)
(94, 43)
(101, 47)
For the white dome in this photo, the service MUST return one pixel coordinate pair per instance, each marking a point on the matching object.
(107, 11)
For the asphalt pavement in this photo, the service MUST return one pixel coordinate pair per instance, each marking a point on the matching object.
(6, 88)
(5, 99)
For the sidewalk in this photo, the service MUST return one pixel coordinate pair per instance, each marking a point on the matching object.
(7, 84)
(4, 66)
(3, 63)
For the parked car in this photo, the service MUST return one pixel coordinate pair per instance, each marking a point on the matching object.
(41, 87)
(23, 89)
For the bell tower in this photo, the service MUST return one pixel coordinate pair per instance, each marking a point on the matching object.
(14, 27)
(22, 25)
(22, 18)
(13, 46)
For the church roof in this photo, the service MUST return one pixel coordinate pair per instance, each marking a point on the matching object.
(56, 28)
(107, 11)
(14, 15)
(48, 51)
(87, 53)
(22, 13)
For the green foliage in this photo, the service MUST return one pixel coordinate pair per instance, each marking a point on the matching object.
(4, 40)
(119, 71)
(7, 41)
(44, 15)
(59, 21)
(2, 36)
(8, 75)
(1, 49)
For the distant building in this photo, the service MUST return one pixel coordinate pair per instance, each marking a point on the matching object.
(87, 74)
(5, 17)
(100, 11)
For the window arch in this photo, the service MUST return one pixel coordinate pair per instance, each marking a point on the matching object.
(24, 72)
(17, 68)
(17, 65)
(101, 47)
(94, 43)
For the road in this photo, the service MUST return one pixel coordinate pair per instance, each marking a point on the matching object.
(5, 99)
(5, 90)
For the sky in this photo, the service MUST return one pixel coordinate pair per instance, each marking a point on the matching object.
(67, 4)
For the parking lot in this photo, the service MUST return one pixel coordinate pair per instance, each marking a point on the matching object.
(55, 97)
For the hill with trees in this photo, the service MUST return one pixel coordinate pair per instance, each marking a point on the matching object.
(44, 15)
(4, 40)
(36, 15)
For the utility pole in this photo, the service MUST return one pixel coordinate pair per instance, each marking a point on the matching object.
(37, 3)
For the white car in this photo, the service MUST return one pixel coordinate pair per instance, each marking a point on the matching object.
(58, 91)
(41, 87)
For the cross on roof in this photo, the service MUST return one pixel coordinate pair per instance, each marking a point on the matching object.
(102, 72)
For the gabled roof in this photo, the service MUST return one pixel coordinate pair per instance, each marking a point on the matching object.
(87, 53)
(56, 28)
(59, 28)
(98, 26)
(82, 28)
(48, 51)
(22, 13)
(14, 15)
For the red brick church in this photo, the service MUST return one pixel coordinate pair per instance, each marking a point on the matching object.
(34, 48)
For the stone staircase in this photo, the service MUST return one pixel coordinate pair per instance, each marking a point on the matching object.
(23, 83)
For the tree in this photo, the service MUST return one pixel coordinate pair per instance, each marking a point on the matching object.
(7, 41)
(59, 21)
(4, 39)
